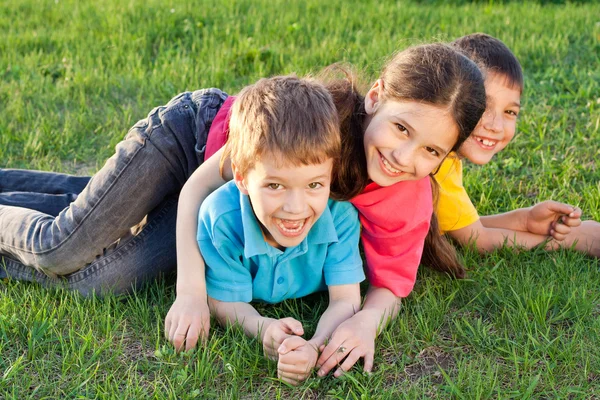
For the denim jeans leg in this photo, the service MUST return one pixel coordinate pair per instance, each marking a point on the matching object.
(46, 192)
(150, 165)
(30, 181)
(136, 260)
(134, 181)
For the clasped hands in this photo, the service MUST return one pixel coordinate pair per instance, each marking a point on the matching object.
(296, 357)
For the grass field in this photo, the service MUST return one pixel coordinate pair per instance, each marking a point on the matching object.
(75, 75)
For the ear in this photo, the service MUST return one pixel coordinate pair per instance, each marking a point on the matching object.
(239, 179)
(374, 97)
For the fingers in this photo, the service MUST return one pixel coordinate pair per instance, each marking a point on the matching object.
(192, 335)
(368, 361)
(291, 377)
(184, 334)
(167, 325)
(576, 213)
(273, 341)
(352, 358)
(331, 357)
(290, 343)
(329, 350)
(178, 335)
(561, 208)
(292, 326)
(294, 370)
(570, 220)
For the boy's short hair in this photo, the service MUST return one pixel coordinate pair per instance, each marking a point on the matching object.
(291, 119)
(492, 55)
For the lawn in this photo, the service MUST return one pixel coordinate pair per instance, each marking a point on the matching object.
(75, 75)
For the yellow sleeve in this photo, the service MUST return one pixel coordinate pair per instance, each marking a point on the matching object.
(454, 208)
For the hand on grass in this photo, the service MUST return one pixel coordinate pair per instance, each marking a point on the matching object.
(297, 359)
(276, 332)
(352, 340)
(552, 218)
(187, 321)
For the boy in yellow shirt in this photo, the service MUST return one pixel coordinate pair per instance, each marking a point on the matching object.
(550, 222)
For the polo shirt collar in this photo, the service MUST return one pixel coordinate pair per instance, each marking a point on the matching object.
(323, 231)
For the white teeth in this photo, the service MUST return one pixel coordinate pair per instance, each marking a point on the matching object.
(486, 142)
(389, 167)
(293, 226)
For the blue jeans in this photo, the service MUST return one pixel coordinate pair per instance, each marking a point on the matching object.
(115, 230)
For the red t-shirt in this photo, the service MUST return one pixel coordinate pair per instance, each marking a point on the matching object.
(395, 220)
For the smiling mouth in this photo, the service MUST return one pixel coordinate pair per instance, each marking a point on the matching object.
(291, 227)
(486, 143)
(388, 168)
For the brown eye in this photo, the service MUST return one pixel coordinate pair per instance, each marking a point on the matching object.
(274, 186)
(432, 151)
(314, 185)
(402, 128)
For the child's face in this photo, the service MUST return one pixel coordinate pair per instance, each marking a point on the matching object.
(287, 200)
(497, 125)
(405, 140)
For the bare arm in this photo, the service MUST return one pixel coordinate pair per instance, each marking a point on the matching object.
(515, 220)
(344, 302)
(548, 218)
(189, 317)
(244, 314)
(487, 239)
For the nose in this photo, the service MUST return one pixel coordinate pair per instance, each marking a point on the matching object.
(295, 202)
(403, 155)
(492, 121)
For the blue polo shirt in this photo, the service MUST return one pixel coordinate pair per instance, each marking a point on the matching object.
(241, 266)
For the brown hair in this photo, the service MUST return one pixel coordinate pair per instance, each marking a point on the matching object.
(435, 74)
(492, 55)
(292, 119)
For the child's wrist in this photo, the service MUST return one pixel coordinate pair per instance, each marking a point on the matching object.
(191, 287)
(523, 219)
(370, 319)
(316, 342)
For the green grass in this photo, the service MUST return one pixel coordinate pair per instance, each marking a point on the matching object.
(74, 76)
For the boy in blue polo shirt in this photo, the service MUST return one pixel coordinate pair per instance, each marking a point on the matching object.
(272, 233)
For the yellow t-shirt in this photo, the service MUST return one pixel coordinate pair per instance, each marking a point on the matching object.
(454, 208)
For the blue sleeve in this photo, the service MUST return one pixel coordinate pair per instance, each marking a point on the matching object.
(343, 264)
(227, 278)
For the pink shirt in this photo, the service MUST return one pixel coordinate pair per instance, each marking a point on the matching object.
(395, 220)
(219, 130)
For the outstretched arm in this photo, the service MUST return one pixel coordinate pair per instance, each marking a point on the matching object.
(487, 239)
(548, 218)
(544, 223)
(189, 317)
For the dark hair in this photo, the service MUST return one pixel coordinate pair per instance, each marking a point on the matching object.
(492, 56)
(435, 74)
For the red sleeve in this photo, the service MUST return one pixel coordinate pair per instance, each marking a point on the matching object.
(395, 220)
(219, 130)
